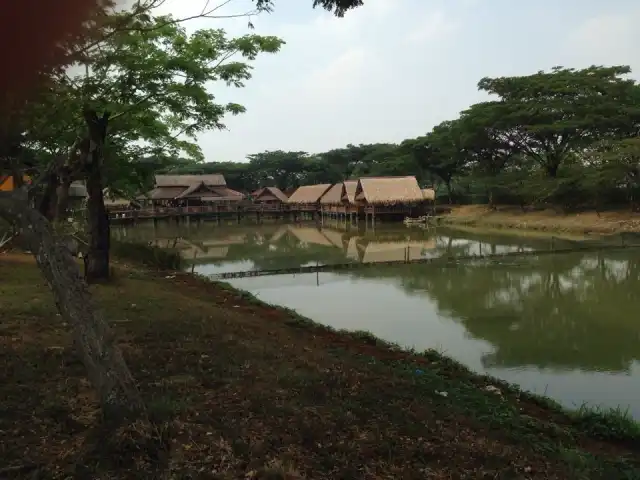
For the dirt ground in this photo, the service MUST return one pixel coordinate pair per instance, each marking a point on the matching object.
(241, 390)
(607, 222)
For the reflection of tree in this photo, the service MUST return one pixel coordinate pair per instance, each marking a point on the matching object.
(570, 311)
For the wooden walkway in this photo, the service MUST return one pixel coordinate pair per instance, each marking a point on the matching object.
(442, 260)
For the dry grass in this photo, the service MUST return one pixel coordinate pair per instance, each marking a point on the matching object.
(249, 391)
(545, 220)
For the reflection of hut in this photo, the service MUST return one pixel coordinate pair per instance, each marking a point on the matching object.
(307, 197)
(281, 232)
(352, 249)
(374, 252)
(208, 249)
(334, 237)
(270, 197)
(389, 195)
(340, 199)
(186, 190)
(310, 235)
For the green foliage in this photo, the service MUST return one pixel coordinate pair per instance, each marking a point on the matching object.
(565, 137)
(154, 78)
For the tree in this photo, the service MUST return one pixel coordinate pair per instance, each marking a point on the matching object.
(278, 168)
(487, 151)
(441, 152)
(133, 92)
(615, 164)
(339, 7)
(150, 81)
(552, 115)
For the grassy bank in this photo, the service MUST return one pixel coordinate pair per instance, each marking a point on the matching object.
(252, 391)
(583, 223)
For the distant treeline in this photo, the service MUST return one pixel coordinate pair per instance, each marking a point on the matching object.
(565, 137)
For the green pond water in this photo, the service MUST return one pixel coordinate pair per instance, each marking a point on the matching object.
(564, 325)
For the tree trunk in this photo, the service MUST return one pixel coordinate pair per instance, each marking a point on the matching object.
(99, 230)
(552, 168)
(62, 195)
(97, 264)
(48, 202)
(106, 368)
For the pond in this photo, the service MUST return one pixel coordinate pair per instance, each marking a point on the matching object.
(563, 325)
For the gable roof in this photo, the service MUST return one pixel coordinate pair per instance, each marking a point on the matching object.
(350, 187)
(275, 191)
(214, 179)
(333, 195)
(309, 193)
(389, 190)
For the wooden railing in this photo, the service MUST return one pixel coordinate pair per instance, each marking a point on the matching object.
(158, 212)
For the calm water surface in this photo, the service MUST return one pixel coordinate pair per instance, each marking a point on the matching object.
(567, 325)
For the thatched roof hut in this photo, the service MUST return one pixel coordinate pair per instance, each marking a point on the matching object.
(388, 190)
(206, 188)
(114, 199)
(333, 196)
(429, 194)
(340, 193)
(269, 194)
(309, 194)
(211, 180)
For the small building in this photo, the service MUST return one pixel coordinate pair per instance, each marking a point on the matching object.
(429, 194)
(389, 195)
(78, 195)
(340, 199)
(270, 198)
(192, 190)
(115, 202)
(307, 198)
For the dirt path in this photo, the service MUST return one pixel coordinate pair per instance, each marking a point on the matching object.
(584, 223)
(249, 391)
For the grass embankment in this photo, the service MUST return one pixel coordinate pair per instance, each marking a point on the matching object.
(544, 220)
(252, 391)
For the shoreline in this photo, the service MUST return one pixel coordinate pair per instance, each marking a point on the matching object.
(325, 379)
(582, 224)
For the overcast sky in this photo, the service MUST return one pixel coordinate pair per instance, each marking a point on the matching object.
(393, 69)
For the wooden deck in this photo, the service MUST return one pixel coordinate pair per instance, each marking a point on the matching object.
(202, 211)
(245, 208)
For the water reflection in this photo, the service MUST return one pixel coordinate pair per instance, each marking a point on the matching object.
(566, 325)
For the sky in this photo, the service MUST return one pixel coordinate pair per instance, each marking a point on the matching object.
(392, 69)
